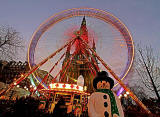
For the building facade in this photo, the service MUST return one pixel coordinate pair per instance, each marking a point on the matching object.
(10, 71)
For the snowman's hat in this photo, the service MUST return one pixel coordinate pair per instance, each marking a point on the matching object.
(103, 76)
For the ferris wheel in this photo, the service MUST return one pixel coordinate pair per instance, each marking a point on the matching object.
(114, 26)
(113, 40)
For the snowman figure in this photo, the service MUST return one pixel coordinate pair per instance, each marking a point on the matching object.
(104, 102)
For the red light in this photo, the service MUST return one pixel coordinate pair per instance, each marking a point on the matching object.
(72, 86)
(77, 87)
(57, 85)
(64, 86)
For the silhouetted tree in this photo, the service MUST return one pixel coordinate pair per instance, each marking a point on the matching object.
(148, 68)
(10, 42)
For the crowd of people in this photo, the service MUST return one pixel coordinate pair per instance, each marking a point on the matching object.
(30, 107)
(23, 107)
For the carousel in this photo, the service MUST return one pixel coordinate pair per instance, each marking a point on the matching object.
(74, 95)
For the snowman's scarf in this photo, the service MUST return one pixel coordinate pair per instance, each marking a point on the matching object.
(114, 108)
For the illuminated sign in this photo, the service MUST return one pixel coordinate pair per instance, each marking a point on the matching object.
(65, 86)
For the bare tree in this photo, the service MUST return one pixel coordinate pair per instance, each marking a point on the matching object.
(10, 43)
(148, 68)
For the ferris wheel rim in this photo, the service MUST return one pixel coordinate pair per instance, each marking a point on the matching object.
(90, 12)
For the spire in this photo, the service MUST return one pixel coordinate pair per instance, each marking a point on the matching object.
(83, 21)
(83, 30)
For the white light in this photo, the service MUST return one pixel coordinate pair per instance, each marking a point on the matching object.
(15, 83)
(18, 86)
(60, 85)
(66, 86)
(127, 93)
(25, 87)
(51, 85)
(80, 81)
(35, 88)
(120, 95)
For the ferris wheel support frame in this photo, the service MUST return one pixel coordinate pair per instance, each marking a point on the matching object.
(134, 97)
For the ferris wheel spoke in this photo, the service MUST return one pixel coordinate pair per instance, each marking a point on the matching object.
(34, 69)
(90, 64)
(66, 67)
(93, 59)
(61, 69)
(46, 76)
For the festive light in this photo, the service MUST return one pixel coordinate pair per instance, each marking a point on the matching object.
(120, 96)
(50, 85)
(64, 86)
(18, 86)
(80, 81)
(85, 88)
(15, 83)
(127, 93)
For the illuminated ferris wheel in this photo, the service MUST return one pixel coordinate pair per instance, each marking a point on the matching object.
(114, 50)
(114, 43)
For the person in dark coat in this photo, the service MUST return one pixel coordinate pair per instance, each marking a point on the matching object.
(60, 109)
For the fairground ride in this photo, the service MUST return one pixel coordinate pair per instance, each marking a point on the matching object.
(81, 47)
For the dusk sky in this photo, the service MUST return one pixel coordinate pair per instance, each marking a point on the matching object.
(141, 17)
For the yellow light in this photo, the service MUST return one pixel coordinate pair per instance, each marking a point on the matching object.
(22, 75)
(18, 86)
(85, 88)
(15, 83)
